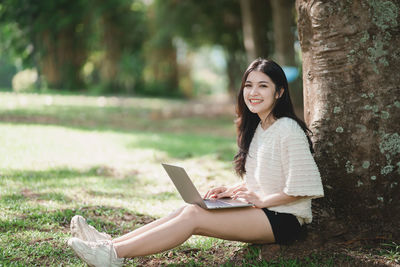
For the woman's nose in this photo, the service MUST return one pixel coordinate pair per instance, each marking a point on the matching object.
(253, 91)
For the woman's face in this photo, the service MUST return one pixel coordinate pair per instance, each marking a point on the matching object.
(259, 93)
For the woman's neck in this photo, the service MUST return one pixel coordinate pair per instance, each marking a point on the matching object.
(268, 121)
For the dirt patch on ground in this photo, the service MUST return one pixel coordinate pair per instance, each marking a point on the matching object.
(369, 253)
(26, 192)
(115, 215)
(215, 256)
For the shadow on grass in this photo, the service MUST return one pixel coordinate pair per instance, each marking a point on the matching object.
(159, 196)
(179, 145)
(20, 182)
(25, 195)
(56, 173)
(186, 145)
(33, 175)
(113, 220)
(119, 119)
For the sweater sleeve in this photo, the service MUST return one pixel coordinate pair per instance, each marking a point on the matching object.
(300, 170)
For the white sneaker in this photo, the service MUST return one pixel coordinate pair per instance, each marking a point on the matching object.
(81, 230)
(97, 254)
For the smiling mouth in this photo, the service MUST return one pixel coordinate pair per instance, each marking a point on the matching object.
(255, 101)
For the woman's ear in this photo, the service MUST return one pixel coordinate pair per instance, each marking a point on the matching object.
(278, 95)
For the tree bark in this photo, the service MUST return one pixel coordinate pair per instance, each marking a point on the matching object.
(283, 25)
(234, 71)
(351, 66)
(62, 57)
(162, 68)
(255, 15)
(161, 71)
(111, 41)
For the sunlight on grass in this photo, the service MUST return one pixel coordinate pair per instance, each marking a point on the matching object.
(32, 101)
(41, 147)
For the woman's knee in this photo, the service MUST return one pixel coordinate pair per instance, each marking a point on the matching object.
(177, 212)
(192, 212)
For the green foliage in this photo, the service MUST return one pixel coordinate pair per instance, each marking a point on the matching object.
(391, 251)
(7, 70)
(204, 23)
(110, 46)
(50, 35)
(58, 38)
(122, 31)
(24, 21)
(15, 39)
(199, 23)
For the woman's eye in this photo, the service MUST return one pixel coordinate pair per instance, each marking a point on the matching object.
(247, 85)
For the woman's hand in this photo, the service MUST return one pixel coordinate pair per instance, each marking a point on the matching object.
(249, 197)
(215, 192)
(223, 191)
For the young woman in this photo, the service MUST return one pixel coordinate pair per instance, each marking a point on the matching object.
(280, 179)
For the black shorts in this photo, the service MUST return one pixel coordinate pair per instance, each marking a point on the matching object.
(285, 226)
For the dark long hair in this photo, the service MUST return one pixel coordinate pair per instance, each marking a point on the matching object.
(246, 121)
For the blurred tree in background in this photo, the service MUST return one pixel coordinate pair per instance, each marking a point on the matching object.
(137, 46)
(257, 22)
(60, 37)
(50, 35)
(120, 24)
(283, 29)
(206, 23)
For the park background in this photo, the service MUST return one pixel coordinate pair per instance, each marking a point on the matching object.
(95, 94)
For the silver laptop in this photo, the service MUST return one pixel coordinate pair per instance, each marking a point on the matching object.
(190, 194)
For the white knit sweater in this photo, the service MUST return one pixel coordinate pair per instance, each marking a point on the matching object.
(279, 160)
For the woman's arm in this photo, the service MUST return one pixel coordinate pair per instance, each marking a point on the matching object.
(225, 191)
(278, 199)
(268, 201)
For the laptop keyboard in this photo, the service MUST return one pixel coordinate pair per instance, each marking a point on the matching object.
(216, 203)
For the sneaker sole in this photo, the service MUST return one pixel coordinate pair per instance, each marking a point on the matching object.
(79, 247)
(75, 245)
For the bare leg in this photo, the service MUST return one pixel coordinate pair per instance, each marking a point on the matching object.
(148, 227)
(245, 224)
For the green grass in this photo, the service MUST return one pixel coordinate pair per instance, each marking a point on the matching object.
(391, 251)
(63, 155)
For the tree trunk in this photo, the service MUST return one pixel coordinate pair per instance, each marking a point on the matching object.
(161, 71)
(255, 15)
(111, 41)
(234, 72)
(162, 68)
(283, 25)
(284, 37)
(62, 57)
(351, 66)
(49, 60)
